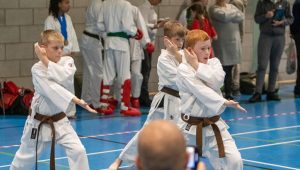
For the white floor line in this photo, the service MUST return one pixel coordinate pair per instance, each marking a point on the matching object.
(117, 150)
(265, 130)
(272, 144)
(121, 167)
(109, 134)
(59, 158)
(84, 137)
(128, 132)
(269, 164)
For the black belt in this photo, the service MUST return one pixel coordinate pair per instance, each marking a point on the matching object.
(91, 35)
(48, 120)
(170, 91)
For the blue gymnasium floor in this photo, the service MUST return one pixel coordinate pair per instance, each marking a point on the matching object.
(268, 136)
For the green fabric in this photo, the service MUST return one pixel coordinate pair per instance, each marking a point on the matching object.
(118, 34)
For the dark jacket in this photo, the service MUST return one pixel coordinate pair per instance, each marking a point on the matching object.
(295, 27)
(265, 24)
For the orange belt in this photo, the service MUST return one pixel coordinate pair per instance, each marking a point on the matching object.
(203, 122)
(48, 120)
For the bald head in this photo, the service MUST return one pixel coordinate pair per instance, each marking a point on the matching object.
(161, 146)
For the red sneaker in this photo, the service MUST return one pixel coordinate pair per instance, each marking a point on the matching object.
(131, 112)
(135, 102)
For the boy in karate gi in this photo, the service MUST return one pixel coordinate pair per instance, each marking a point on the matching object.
(116, 20)
(91, 49)
(168, 95)
(47, 123)
(199, 81)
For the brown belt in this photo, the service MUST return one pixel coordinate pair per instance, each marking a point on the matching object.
(203, 122)
(170, 91)
(91, 35)
(48, 120)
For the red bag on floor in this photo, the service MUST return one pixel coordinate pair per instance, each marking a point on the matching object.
(14, 100)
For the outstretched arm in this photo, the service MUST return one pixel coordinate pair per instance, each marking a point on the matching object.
(83, 104)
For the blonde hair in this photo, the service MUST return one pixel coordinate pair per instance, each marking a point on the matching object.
(174, 28)
(50, 35)
(194, 36)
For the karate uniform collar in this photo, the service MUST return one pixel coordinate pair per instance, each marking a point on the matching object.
(148, 4)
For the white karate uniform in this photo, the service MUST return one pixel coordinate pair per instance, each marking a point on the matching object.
(137, 53)
(182, 17)
(51, 96)
(52, 23)
(167, 70)
(150, 17)
(116, 16)
(91, 49)
(201, 97)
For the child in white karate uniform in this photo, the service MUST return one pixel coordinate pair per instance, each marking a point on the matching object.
(165, 104)
(47, 123)
(199, 81)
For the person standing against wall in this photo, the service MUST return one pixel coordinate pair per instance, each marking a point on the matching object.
(241, 5)
(60, 21)
(117, 21)
(91, 49)
(226, 19)
(272, 16)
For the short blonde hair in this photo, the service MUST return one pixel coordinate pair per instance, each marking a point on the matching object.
(50, 35)
(174, 28)
(194, 36)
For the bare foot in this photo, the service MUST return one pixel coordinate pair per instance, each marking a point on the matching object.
(115, 165)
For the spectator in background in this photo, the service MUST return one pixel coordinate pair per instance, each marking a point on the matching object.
(157, 149)
(60, 21)
(226, 19)
(295, 32)
(137, 55)
(272, 17)
(151, 20)
(201, 21)
(91, 49)
(241, 5)
(117, 21)
(185, 17)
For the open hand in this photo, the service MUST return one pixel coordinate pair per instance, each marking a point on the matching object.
(191, 58)
(40, 51)
(170, 47)
(236, 105)
(83, 104)
(269, 14)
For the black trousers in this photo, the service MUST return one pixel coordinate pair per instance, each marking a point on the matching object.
(297, 42)
(228, 80)
(146, 69)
